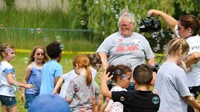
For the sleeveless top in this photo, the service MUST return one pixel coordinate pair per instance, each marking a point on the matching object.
(35, 79)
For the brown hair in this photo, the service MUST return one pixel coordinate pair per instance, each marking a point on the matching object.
(83, 61)
(118, 71)
(190, 21)
(31, 59)
(94, 59)
(4, 47)
(142, 74)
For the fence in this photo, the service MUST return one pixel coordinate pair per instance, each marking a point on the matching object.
(27, 38)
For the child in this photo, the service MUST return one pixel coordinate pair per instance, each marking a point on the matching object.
(8, 83)
(51, 70)
(121, 76)
(139, 100)
(33, 74)
(171, 81)
(82, 87)
(95, 64)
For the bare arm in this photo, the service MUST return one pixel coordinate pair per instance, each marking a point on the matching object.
(190, 100)
(11, 81)
(104, 88)
(26, 78)
(192, 59)
(151, 62)
(58, 84)
(55, 82)
(104, 60)
(169, 20)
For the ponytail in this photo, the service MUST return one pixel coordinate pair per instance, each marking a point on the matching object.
(88, 76)
(84, 62)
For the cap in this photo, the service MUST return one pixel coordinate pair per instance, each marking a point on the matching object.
(49, 103)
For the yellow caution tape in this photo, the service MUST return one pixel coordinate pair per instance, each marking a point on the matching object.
(67, 52)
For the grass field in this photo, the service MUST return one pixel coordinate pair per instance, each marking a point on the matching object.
(20, 63)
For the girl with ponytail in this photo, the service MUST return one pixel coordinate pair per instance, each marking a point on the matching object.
(83, 87)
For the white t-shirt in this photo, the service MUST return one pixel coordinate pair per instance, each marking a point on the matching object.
(116, 106)
(5, 88)
(193, 76)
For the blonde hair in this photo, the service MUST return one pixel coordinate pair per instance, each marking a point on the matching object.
(177, 46)
(84, 62)
(4, 48)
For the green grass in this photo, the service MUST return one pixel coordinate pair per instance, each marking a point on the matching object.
(72, 41)
(20, 29)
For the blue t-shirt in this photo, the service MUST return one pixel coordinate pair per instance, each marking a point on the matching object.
(50, 70)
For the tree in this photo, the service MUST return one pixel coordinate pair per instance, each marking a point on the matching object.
(102, 15)
(189, 7)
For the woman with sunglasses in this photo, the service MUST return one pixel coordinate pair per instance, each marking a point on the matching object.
(187, 27)
(33, 74)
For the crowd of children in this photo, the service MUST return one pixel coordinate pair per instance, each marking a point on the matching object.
(43, 77)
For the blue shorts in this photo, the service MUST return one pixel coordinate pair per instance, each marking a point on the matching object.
(29, 99)
(8, 101)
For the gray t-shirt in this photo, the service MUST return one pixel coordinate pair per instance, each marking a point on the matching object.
(130, 51)
(171, 86)
(69, 76)
(80, 93)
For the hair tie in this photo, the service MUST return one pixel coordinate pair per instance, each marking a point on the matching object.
(118, 71)
(61, 46)
(6, 50)
(123, 76)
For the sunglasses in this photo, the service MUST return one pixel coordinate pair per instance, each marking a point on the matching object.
(179, 28)
(38, 54)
